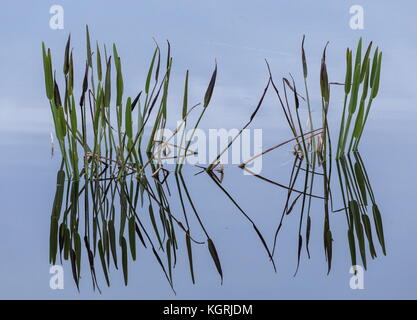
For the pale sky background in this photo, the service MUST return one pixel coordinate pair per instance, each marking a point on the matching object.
(239, 35)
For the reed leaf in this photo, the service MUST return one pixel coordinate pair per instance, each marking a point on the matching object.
(132, 237)
(365, 61)
(56, 211)
(379, 227)
(351, 241)
(190, 255)
(123, 245)
(185, 99)
(215, 257)
(368, 232)
(324, 80)
(99, 67)
(119, 77)
(375, 85)
(210, 88)
(148, 78)
(128, 119)
(47, 68)
(374, 66)
(67, 56)
(89, 54)
(354, 208)
(112, 239)
(107, 90)
(348, 78)
(103, 261)
(77, 250)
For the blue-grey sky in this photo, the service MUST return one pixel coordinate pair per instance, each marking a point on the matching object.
(239, 35)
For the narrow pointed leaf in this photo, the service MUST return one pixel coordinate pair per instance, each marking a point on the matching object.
(215, 257)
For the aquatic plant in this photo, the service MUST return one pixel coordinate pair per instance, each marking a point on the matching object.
(357, 195)
(362, 74)
(120, 172)
(313, 149)
(121, 175)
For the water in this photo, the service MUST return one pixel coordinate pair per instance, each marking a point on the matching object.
(28, 173)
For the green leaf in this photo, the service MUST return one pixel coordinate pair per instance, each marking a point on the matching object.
(148, 78)
(355, 88)
(119, 77)
(324, 80)
(61, 238)
(358, 53)
(365, 60)
(123, 212)
(57, 96)
(124, 258)
(71, 75)
(354, 208)
(73, 119)
(348, 78)
(106, 242)
(374, 66)
(368, 232)
(158, 65)
(375, 86)
(185, 100)
(379, 226)
(303, 59)
(74, 268)
(154, 225)
(47, 68)
(359, 120)
(300, 245)
(328, 240)
(67, 243)
(67, 55)
(95, 231)
(210, 88)
(351, 240)
(107, 85)
(74, 205)
(308, 232)
(168, 252)
(99, 68)
(57, 205)
(98, 110)
(77, 250)
(53, 241)
(85, 86)
(361, 182)
(103, 261)
(62, 122)
(128, 118)
(132, 237)
(215, 257)
(366, 82)
(112, 239)
(190, 255)
(89, 54)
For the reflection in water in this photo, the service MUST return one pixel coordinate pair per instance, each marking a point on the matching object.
(357, 197)
(100, 218)
(105, 212)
